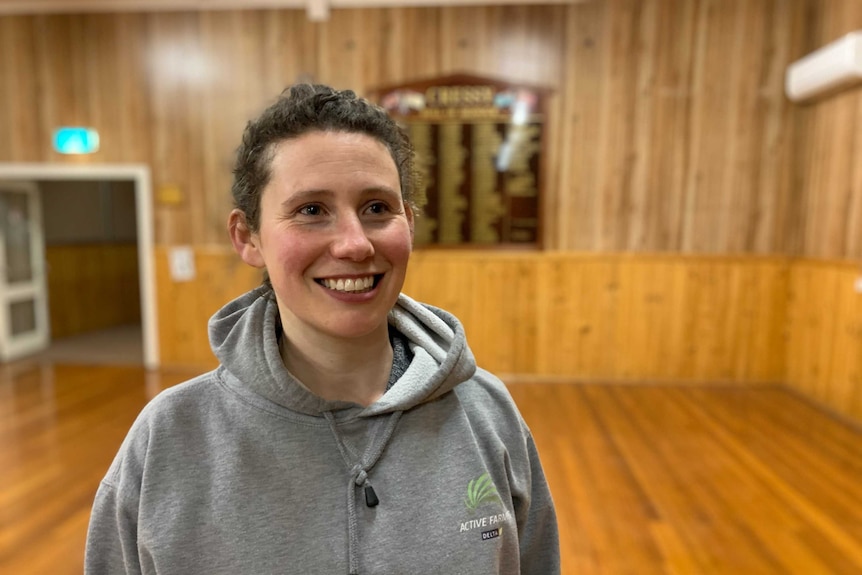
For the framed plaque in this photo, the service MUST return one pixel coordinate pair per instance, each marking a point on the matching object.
(479, 150)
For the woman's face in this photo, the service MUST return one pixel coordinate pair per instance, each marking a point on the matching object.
(334, 234)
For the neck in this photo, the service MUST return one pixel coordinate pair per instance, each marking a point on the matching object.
(355, 370)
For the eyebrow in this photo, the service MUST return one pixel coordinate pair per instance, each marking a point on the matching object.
(316, 194)
(307, 195)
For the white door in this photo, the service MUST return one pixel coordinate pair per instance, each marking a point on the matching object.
(23, 300)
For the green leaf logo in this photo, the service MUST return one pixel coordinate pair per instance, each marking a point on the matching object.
(480, 490)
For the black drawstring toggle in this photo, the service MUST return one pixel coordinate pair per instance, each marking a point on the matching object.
(370, 497)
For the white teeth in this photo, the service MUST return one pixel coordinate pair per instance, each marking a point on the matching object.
(350, 285)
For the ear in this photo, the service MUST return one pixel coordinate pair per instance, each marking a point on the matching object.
(245, 242)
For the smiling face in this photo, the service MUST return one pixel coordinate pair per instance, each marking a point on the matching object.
(334, 235)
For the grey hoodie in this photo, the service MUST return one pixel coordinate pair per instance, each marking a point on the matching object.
(244, 471)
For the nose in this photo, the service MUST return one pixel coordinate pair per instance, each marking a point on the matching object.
(351, 241)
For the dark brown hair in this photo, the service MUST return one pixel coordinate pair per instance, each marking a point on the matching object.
(305, 108)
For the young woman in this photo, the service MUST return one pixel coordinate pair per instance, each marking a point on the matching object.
(347, 429)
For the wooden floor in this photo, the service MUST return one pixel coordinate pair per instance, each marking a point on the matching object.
(117, 345)
(647, 479)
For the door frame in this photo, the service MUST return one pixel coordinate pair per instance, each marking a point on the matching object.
(140, 174)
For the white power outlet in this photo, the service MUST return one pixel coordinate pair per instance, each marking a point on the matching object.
(858, 285)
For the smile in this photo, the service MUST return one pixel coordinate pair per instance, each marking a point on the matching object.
(352, 285)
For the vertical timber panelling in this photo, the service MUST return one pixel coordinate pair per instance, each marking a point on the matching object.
(19, 90)
(658, 318)
(419, 57)
(577, 300)
(677, 126)
(669, 133)
(668, 128)
(92, 287)
(824, 355)
(75, 70)
(572, 316)
(832, 185)
(494, 295)
(185, 307)
(178, 68)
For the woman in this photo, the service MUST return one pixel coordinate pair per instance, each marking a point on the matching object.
(347, 429)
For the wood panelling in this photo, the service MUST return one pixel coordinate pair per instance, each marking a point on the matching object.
(612, 317)
(668, 132)
(824, 353)
(668, 128)
(91, 287)
(603, 317)
(185, 307)
(676, 127)
(831, 193)
(596, 317)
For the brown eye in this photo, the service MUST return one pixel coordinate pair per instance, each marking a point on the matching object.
(310, 210)
(378, 208)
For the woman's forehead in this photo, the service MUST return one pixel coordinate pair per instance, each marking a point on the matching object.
(321, 155)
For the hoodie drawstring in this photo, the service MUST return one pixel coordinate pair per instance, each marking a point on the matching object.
(359, 478)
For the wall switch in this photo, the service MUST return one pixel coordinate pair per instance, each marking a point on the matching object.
(182, 260)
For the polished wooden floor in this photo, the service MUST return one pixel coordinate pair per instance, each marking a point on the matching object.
(647, 479)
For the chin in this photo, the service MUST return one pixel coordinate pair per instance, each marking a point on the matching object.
(354, 328)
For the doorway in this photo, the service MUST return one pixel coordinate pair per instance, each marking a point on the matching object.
(138, 180)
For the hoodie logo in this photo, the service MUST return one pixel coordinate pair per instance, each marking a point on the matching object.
(482, 491)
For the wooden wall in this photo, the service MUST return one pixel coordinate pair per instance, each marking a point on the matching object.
(831, 190)
(604, 317)
(824, 351)
(825, 313)
(668, 127)
(185, 307)
(564, 316)
(610, 317)
(669, 134)
(676, 128)
(92, 287)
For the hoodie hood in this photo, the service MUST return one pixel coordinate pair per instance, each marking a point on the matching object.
(243, 337)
